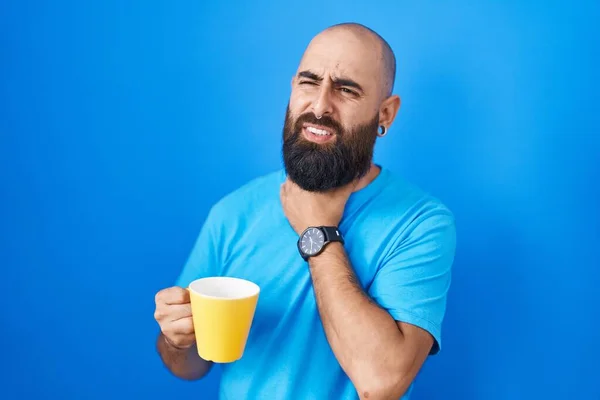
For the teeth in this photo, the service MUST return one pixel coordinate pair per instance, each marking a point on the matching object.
(318, 132)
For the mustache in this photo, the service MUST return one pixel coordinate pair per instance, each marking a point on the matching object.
(325, 121)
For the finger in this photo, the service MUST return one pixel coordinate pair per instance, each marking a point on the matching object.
(283, 192)
(183, 326)
(173, 312)
(173, 295)
(289, 185)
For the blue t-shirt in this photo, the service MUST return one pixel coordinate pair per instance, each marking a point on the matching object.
(399, 240)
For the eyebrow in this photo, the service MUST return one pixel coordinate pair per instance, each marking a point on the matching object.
(340, 81)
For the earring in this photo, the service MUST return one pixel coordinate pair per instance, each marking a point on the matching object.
(383, 131)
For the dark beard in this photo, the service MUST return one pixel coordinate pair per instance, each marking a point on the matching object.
(321, 167)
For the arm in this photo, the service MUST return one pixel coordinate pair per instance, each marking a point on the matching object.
(176, 342)
(381, 338)
(183, 363)
(380, 356)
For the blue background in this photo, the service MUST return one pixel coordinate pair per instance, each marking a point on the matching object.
(123, 121)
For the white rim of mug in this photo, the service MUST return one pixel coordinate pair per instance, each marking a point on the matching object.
(256, 288)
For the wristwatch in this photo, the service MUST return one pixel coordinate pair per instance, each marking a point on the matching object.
(314, 239)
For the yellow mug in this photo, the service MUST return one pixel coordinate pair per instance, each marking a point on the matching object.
(222, 310)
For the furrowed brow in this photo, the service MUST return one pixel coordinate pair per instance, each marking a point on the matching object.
(310, 75)
(347, 82)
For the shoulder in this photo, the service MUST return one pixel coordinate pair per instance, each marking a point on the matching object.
(253, 196)
(415, 211)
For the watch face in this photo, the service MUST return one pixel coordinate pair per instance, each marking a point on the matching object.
(312, 241)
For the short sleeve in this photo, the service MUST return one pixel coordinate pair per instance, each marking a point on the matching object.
(412, 282)
(204, 257)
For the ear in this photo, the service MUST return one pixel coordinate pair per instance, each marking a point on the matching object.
(388, 110)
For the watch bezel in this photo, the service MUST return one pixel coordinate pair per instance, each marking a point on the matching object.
(306, 256)
(326, 241)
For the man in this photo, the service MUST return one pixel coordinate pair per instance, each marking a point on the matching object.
(348, 311)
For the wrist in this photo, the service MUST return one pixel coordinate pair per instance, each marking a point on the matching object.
(302, 228)
(316, 240)
(332, 250)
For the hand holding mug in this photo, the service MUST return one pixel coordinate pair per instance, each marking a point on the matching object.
(174, 316)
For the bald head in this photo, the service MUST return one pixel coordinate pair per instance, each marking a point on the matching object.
(344, 82)
(382, 52)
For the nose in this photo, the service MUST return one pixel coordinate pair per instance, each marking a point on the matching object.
(322, 103)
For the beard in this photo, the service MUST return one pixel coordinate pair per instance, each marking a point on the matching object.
(319, 167)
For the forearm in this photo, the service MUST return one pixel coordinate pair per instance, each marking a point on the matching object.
(183, 363)
(365, 338)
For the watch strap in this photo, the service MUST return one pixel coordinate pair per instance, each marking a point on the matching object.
(332, 234)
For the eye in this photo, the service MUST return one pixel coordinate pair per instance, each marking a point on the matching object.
(349, 91)
(307, 83)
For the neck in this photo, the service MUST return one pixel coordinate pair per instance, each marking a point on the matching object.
(370, 176)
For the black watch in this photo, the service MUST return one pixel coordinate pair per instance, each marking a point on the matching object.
(314, 239)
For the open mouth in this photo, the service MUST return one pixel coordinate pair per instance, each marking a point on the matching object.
(317, 134)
